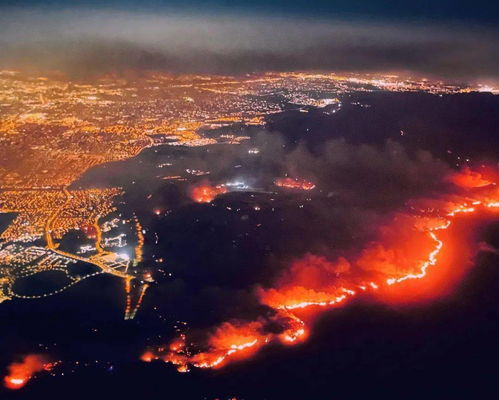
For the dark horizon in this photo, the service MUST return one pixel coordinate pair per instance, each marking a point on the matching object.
(443, 11)
(96, 40)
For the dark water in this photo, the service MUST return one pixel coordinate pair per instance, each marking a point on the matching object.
(5, 220)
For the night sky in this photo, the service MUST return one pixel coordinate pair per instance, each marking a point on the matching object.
(447, 39)
(481, 11)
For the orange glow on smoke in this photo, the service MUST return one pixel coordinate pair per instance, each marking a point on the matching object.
(148, 356)
(237, 339)
(206, 193)
(409, 248)
(294, 183)
(21, 372)
(467, 178)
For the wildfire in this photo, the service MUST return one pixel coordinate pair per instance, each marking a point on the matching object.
(469, 179)
(148, 356)
(432, 260)
(294, 183)
(241, 337)
(206, 193)
(409, 246)
(21, 372)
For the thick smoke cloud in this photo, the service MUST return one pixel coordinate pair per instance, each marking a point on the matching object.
(86, 42)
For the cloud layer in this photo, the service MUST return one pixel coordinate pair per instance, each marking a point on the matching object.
(86, 42)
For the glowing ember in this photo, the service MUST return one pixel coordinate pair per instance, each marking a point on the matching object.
(408, 247)
(207, 193)
(21, 372)
(291, 183)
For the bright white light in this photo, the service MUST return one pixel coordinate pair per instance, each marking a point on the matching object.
(237, 185)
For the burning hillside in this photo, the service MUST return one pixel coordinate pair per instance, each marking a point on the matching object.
(21, 372)
(206, 193)
(294, 183)
(408, 247)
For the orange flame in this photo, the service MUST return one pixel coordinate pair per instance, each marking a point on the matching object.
(206, 193)
(21, 372)
(148, 356)
(294, 183)
(408, 248)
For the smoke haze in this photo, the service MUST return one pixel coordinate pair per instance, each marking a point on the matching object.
(83, 42)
